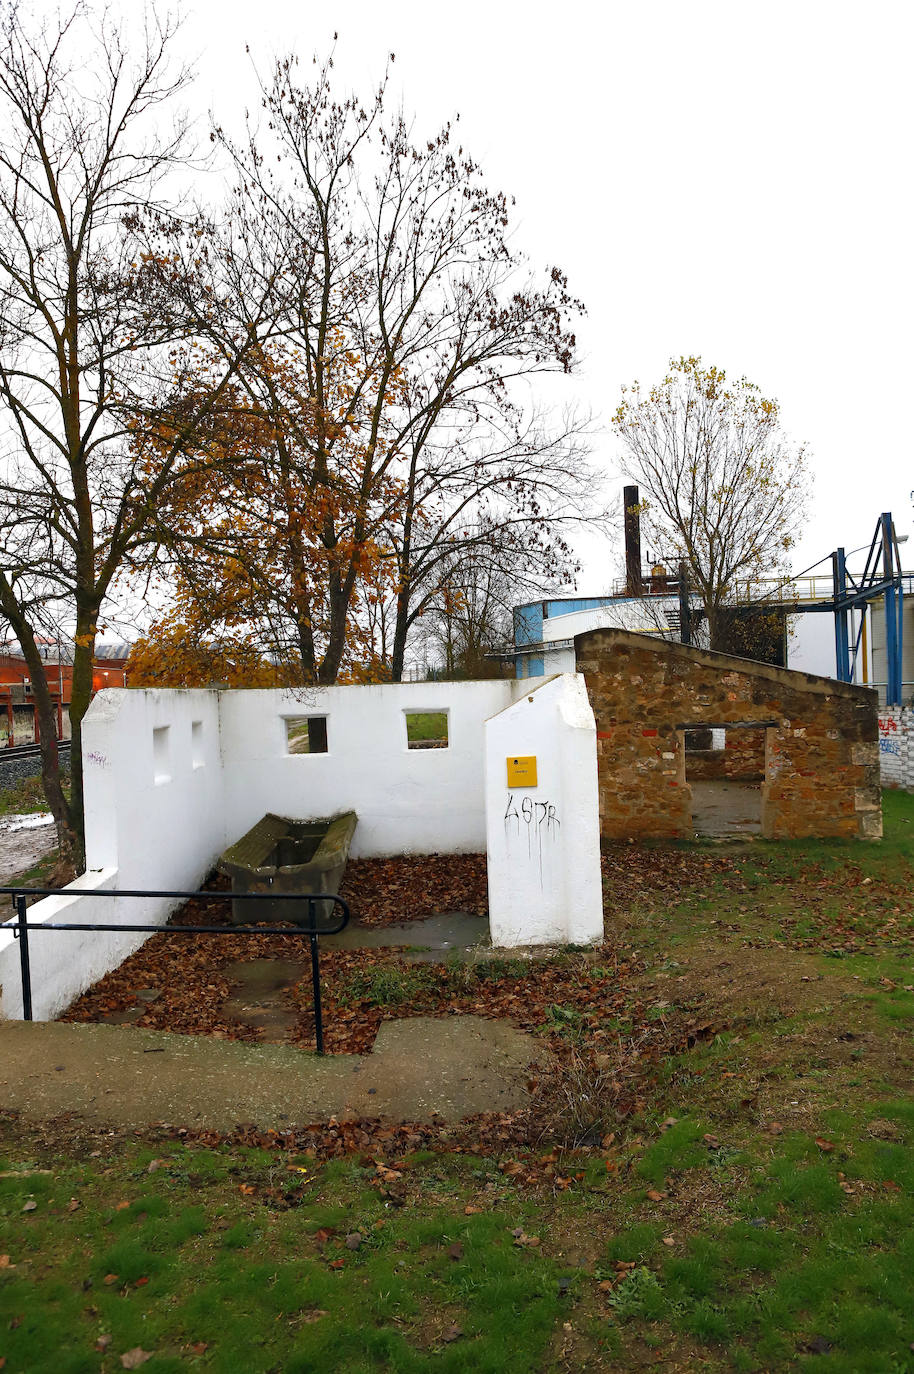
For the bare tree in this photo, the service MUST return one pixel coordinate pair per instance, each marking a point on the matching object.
(103, 283)
(466, 620)
(723, 489)
(415, 324)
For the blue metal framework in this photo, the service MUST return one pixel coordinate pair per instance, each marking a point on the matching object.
(881, 577)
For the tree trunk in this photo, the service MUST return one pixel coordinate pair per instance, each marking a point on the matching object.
(401, 630)
(68, 836)
(80, 699)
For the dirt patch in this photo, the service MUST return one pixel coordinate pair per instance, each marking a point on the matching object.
(421, 1070)
(24, 842)
(740, 984)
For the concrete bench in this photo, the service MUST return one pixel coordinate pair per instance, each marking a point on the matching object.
(282, 855)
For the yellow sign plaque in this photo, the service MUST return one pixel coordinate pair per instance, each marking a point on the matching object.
(522, 771)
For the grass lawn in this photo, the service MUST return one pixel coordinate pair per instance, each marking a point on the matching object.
(738, 1062)
(424, 727)
(25, 796)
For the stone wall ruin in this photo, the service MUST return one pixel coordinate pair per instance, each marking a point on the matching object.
(821, 761)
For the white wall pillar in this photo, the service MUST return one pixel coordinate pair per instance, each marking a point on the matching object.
(543, 841)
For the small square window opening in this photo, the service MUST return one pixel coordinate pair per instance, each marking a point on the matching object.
(161, 755)
(306, 734)
(196, 743)
(426, 729)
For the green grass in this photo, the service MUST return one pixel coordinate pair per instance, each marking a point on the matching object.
(191, 1259)
(425, 725)
(385, 985)
(752, 1209)
(25, 797)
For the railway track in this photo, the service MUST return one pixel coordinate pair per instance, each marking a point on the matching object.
(27, 751)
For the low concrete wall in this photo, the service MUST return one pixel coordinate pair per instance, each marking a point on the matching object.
(173, 777)
(154, 819)
(408, 801)
(543, 839)
(62, 965)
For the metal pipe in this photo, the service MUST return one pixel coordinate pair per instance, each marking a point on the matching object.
(316, 988)
(22, 918)
(20, 927)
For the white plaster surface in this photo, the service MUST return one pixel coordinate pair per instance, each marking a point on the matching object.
(543, 842)
(138, 834)
(173, 777)
(408, 801)
(896, 746)
(62, 965)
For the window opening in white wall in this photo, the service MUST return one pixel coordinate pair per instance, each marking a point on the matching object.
(196, 743)
(161, 754)
(426, 729)
(306, 734)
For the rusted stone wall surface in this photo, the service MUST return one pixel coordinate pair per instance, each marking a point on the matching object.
(706, 765)
(743, 759)
(821, 738)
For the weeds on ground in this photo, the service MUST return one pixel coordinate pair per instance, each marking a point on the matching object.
(385, 985)
(26, 796)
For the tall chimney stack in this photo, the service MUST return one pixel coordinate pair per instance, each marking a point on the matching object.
(632, 501)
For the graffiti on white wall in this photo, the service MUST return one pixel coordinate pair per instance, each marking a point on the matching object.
(534, 823)
(896, 746)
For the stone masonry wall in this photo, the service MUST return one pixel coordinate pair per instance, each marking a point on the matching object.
(821, 738)
(743, 759)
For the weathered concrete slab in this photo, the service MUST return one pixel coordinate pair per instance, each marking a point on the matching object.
(421, 1066)
(449, 931)
(720, 809)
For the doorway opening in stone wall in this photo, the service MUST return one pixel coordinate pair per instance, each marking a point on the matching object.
(725, 769)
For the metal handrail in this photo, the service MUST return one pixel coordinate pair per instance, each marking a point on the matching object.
(21, 927)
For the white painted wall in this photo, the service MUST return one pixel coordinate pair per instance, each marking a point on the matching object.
(896, 746)
(417, 801)
(62, 965)
(559, 659)
(543, 843)
(173, 777)
(811, 643)
(644, 614)
(153, 786)
(154, 819)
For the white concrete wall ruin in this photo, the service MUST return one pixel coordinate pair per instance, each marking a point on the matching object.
(173, 777)
(543, 842)
(409, 801)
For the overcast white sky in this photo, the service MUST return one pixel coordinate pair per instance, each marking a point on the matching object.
(726, 179)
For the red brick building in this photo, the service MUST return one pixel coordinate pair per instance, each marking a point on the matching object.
(18, 717)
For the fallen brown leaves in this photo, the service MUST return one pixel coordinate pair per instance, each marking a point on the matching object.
(645, 876)
(561, 995)
(389, 892)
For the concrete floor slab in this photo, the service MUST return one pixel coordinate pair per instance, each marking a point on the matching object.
(720, 809)
(444, 932)
(452, 1067)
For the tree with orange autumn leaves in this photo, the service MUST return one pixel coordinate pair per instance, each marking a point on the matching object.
(396, 431)
(286, 411)
(241, 543)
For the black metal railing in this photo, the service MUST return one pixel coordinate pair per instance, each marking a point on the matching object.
(311, 928)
